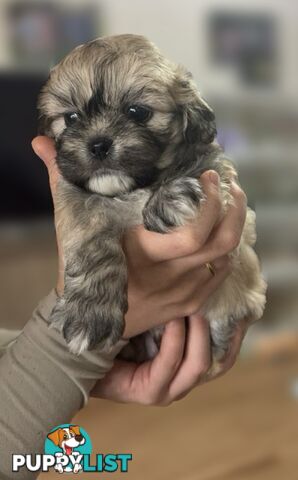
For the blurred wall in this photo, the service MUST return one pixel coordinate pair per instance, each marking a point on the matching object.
(179, 29)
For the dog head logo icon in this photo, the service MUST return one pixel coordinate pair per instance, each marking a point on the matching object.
(67, 443)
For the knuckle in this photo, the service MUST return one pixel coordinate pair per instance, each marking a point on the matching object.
(186, 243)
(193, 305)
(229, 241)
(192, 244)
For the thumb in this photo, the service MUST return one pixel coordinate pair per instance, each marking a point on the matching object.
(44, 148)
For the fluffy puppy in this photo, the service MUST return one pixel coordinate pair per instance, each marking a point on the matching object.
(133, 135)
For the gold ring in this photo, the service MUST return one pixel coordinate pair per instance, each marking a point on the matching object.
(211, 268)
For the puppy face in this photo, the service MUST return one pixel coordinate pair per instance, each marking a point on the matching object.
(117, 110)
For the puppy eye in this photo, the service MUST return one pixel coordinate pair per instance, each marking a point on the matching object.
(139, 113)
(71, 118)
(65, 436)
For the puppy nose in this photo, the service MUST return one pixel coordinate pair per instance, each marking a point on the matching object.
(100, 148)
(79, 438)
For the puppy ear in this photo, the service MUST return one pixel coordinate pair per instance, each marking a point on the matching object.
(54, 436)
(44, 126)
(75, 429)
(199, 123)
(198, 119)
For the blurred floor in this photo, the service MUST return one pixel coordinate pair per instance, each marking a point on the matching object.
(240, 427)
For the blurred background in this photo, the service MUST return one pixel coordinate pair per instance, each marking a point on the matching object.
(244, 58)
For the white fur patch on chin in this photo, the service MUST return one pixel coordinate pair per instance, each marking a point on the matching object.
(110, 184)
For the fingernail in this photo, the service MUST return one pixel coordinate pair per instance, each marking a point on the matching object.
(214, 178)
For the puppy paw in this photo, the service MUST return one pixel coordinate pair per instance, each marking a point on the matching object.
(99, 332)
(173, 205)
(88, 327)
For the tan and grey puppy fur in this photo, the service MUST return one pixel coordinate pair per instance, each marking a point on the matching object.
(133, 135)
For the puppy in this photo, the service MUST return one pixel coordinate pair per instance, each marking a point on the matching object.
(133, 135)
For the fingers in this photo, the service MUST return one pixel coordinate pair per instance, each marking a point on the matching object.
(44, 147)
(172, 374)
(212, 372)
(116, 385)
(146, 383)
(190, 238)
(197, 358)
(211, 208)
(203, 284)
(174, 292)
(165, 365)
(185, 240)
(227, 234)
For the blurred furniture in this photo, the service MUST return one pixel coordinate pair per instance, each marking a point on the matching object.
(24, 190)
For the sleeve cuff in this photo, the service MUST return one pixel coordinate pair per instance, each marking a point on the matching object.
(85, 369)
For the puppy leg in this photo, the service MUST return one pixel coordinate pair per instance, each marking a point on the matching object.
(172, 205)
(91, 311)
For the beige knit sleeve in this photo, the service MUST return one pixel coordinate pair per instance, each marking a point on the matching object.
(42, 385)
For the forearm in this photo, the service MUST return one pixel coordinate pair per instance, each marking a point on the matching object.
(42, 385)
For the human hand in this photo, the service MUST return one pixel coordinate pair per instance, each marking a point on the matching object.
(182, 363)
(168, 280)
